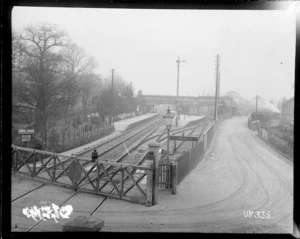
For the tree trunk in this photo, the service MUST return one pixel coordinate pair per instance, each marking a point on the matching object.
(45, 133)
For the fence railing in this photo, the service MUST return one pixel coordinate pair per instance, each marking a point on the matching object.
(190, 159)
(117, 180)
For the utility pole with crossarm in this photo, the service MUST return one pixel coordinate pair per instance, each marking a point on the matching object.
(177, 98)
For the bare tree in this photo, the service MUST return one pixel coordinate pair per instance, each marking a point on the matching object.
(88, 82)
(76, 61)
(42, 80)
(72, 65)
(80, 69)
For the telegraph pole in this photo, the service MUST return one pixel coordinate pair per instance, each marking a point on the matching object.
(219, 79)
(231, 105)
(256, 103)
(112, 93)
(217, 86)
(282, 110)
(177, 98)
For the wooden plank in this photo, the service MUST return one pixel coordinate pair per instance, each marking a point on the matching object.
(98, 173)
(44, 167)
(183, 138)
(87, 176)
(109, 178)
(135, 183)
(40, 161)
(81, 159)
(64, 171)
(89, 167)
(25, 162)
(122, 183)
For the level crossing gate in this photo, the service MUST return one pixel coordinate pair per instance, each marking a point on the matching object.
(127, 182)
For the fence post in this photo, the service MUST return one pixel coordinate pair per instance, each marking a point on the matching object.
(98, 179)
(153, 147)
(34, 164)
(149, 184)
(15, 165)
(174, 177)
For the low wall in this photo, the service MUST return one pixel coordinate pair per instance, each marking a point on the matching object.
(190, 159)
(284, 146)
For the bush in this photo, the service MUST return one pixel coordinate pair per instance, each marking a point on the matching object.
(96, 121)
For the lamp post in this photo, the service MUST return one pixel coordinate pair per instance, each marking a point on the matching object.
(168, 121)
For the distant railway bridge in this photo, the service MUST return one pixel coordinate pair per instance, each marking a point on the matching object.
(187, 104)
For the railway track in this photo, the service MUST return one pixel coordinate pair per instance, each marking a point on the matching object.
(121, 148)
(139, 159)
(152, 132)
(113, 150)
(118, 148)
(141, 148)
(108, 146)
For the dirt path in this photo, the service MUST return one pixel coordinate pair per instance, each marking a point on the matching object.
(240, 173)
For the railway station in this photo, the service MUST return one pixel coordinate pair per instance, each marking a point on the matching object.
(122, 181)
(148, 125)
(132, 139)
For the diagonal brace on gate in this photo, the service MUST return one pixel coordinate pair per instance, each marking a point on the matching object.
(25, 163)
(87, 176)
(110, 180)
(135, 183)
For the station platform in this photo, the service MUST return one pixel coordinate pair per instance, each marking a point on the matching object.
(120, 126)
(189, 120)
(126, 124)
(90, 145)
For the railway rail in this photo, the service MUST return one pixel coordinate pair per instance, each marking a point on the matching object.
(141, 158)
(123, 157)
(115, 153)
(122, 147)
(114, 173)
(109, 145)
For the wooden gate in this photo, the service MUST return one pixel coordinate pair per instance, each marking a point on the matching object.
(117, 180)
(164, 175)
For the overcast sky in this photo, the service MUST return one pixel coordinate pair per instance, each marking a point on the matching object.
(257, 48)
